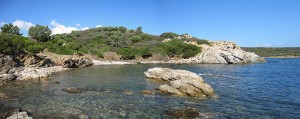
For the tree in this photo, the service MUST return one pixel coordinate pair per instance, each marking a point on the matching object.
(10, 29)
(40, 33)
(11, 44)
(139, 30)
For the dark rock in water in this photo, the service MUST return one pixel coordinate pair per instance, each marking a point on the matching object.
(56, 82)
(184, 112)
(74, 90)
(148, 92)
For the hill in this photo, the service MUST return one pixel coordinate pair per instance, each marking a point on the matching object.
(127, 43)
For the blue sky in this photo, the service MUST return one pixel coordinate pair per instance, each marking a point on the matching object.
(247, 22)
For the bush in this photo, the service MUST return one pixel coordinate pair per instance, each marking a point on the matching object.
(169, 35)
(127, 53)
(177, 48)
(135, 39)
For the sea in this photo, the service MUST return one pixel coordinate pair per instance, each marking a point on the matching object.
(268, 90)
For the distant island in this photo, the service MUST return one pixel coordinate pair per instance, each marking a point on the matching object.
(280, 52)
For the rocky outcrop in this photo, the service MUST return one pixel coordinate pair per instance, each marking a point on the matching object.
(181, 82)
(38, 72)
(73, 62)
(38, 61)
(223, 53)
(7, 64)
(7, 77)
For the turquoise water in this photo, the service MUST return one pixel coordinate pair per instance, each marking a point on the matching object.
(267, 90)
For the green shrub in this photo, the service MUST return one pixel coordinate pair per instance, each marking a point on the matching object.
(202, 41)
(169, 35)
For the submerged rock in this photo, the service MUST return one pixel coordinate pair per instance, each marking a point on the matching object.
(74, 90)
(148, 92)
(184, 112)
(3, 96)
(181, 82)
(127, 92)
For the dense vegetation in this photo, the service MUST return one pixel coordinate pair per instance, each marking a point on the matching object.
(128, 43)
(274, 52)
(13, 43)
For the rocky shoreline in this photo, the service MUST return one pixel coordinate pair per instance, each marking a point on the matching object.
(43, 65)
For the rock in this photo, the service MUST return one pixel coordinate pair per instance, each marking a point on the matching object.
(7, 77)
(184, 112)
(56, 82)
(46, 63)
(32, 60)
(127, 92)
(181, 82)
(74, 90)
(7, 63)
(148, 92)
(223, 53)
(74, 62)
(38, 72)
(18, 114)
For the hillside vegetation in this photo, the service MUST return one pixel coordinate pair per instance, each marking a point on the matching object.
(274, 52)
(128, 43)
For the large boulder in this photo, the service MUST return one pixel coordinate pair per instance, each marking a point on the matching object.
(181, 82)
(223, 52)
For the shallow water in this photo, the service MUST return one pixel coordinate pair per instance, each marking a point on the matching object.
(267, 90)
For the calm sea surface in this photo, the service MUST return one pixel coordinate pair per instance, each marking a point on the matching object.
(267, 90)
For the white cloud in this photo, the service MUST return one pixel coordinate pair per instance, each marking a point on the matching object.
(84, 28)
(98, 26)
(23, 25)
(59, 29)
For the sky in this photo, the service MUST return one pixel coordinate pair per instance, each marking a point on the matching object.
(249, 23)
